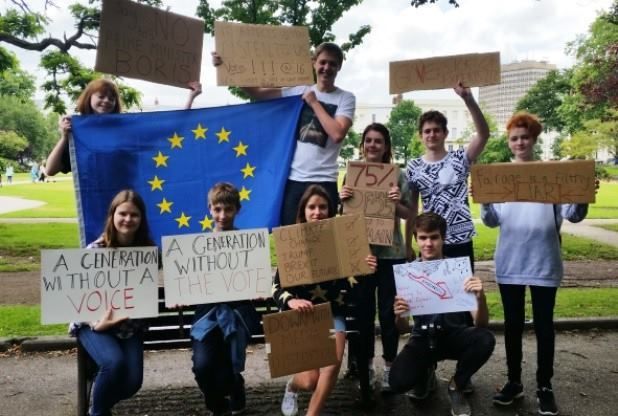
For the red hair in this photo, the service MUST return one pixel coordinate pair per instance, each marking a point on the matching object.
(527, 121)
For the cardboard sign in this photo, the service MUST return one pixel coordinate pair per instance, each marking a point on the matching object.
(474, 70)
(371, 183)
(216, 267)
(571, 181)
(431, 287)
(143, 42)
(299, 341)
(263, 55)
(315, 252)
(81, 284)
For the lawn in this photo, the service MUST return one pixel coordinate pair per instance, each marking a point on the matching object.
(19, 320)
(609, 227)
(59, 198)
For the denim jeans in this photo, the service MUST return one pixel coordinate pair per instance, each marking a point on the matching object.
(121, 367)
(294, 190)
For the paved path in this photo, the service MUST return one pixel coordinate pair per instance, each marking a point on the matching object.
(585, 384)
(10, 204)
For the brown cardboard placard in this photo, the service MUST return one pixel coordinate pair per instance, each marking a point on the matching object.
(315, 252)
(371, 183)
(144, 42)
(263, 55)
(299, 341)
(570, 181)
(474, 70)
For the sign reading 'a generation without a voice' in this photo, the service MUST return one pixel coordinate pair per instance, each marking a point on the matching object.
(143, 42)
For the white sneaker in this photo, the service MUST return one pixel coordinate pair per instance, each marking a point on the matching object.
(289, 404)
(386, 386)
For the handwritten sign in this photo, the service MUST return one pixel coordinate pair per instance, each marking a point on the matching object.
(431, 287)
(81, 284)
(143, 42)
(474, 70)
(299, 341)
(315, 252)
(263, 55)
(216, 267)
(549, 182)
(371, 183)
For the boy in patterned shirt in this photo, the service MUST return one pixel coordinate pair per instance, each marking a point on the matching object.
(440, 177)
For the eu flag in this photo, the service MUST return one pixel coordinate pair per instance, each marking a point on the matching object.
(172, 158)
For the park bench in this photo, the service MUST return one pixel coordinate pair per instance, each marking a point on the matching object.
(168, 331)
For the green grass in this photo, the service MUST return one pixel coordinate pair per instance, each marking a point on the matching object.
(19, 320)
(59, 198)
(609, 227)
(570, 303)
(20, 244)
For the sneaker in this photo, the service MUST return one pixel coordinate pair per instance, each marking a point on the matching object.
(289, 404)
(459, 403)
(509, 392)
(386, 386)
(422, 392)
(546, 401)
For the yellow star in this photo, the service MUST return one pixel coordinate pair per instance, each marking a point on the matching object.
(160, 160)
(183, 220)
(200, 132)
(206, 223)
(165, 206)
(248, 171)
(156, 183)
(244, 193)
(176, 141)
(241, 149)
(318, 293)
(352, 281)
(223, 135)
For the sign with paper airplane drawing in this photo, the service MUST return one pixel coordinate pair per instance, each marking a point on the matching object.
(431, 287)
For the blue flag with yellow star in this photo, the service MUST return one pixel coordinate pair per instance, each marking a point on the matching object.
(172, 159)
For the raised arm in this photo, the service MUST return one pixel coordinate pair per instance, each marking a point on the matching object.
(257, 93)
(195, 90)
(479, 140)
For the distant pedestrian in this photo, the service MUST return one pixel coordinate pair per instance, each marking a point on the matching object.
(9, 174)
(34, 172)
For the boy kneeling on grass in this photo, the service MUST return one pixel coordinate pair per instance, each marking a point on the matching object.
(460, 336)
(221, 331)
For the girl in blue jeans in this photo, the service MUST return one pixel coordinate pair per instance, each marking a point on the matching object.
(115, 342)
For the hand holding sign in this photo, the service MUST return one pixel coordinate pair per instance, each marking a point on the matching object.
(108, 320)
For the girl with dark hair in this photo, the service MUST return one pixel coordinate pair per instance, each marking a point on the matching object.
(315, 205)
(115, 342)
(376, 147)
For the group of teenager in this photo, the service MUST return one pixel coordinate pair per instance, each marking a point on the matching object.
(527, 254)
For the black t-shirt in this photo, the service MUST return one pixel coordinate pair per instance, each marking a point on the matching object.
(446, 321)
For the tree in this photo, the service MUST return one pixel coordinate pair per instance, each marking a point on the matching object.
(13, 80)
(66, 76)
(11, 145)
(418, 3)
(350, 145)
(580, 146)
(26, 120)
(403, 126)
(605, 132)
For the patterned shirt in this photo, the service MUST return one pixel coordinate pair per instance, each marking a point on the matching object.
(443, 186)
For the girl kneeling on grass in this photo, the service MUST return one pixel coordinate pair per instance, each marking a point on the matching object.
(528, 254)
(315, 205)
(115, 343)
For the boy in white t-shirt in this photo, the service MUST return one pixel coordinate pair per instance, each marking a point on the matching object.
(325, 121)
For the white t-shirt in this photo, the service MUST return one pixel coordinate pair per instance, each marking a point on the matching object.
(315, 159)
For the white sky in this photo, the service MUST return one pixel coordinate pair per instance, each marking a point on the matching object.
(519, 29)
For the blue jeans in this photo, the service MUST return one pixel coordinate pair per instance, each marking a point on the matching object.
(294, 190)
(121, 367)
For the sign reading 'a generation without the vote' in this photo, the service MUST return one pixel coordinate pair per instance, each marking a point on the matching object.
(299, 341)
(570, 181)
(263, 55)
(81, 284)
(371, 183)
(216, 267)
(143, 42)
